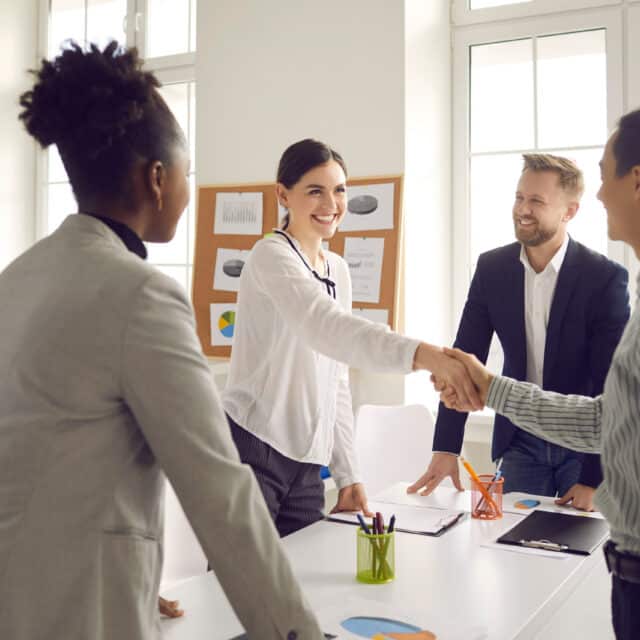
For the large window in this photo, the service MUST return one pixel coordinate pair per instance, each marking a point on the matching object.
(548, 84)
(533, 94)
(164, 31)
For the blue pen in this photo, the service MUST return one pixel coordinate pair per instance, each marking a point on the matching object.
(392, 523)
(363, 524)
(496, 476)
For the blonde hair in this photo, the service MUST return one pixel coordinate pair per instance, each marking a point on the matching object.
(570, 177)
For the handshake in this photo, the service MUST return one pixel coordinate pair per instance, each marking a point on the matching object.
(461, 379)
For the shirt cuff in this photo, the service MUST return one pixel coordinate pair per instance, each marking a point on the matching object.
(449, 453)
(345, 481)
(498, 393)
(410, 354)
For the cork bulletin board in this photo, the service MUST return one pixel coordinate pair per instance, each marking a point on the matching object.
(371, 233)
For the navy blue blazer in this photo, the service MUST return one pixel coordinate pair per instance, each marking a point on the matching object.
(588, 313)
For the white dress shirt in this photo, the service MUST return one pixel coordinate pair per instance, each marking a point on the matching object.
(538, 297)
(288, 381)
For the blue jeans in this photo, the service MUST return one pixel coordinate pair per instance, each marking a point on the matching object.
(533, 465)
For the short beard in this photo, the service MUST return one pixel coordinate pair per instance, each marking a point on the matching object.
(540, 237)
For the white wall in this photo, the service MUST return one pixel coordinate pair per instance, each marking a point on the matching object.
(18, 39)
(272, 73)
(427, 200)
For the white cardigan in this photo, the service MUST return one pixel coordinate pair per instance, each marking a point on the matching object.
(288, 381)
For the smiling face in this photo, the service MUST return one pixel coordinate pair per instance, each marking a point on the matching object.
(316, 203)
(620, 196)
(541, 209)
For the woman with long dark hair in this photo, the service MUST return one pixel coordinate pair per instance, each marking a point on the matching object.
(287, 396)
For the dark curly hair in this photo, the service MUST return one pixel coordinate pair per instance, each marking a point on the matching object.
(104, 113)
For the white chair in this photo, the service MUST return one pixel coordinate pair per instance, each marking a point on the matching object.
(183, 555)
(393, 444)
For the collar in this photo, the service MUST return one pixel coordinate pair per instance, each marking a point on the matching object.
(554, 264)
(295, 245)
(129, 237)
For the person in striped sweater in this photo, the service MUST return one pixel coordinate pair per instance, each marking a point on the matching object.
(609, 423)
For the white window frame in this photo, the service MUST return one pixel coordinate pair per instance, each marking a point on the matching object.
(463, 39)
(174, 69)
(461, 14)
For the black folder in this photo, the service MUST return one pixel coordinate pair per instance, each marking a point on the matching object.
(558, 532)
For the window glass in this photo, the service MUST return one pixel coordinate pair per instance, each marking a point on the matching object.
(502, 96)
(60, 203)
(175, 17)
(106, 21)
(572, 89)
(57, 172)
(67, 21)
(177, 98)
(174, 252)
(590, 224)
(493, 185)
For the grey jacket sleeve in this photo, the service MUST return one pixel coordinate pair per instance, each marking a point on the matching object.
(168, 387)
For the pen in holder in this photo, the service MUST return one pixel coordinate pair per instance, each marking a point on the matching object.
(376, 557)
(486, 497)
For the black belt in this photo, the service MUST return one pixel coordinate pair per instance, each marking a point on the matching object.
(625, 566)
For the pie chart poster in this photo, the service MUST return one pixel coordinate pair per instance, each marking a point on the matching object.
(223, 322)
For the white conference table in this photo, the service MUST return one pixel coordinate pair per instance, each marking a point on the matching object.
(461, 589)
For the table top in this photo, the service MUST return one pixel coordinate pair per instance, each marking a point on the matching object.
(458, 587)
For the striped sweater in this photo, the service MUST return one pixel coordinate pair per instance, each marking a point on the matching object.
(609, 424)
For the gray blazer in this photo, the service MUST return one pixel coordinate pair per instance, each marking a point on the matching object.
(103, 387)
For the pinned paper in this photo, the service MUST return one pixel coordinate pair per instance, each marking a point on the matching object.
(364, 257)
(238, 213)
(369, 206)
(228, 267)
(223, 324)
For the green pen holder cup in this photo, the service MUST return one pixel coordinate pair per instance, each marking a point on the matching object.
(376, 563)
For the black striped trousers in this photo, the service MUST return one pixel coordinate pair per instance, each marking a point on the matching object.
(293, 491)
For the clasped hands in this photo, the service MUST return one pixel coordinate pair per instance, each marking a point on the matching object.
(462, 380)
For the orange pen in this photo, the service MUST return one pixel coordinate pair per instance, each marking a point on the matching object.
(483, 491)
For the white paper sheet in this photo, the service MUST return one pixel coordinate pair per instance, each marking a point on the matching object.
(223, 320)
(229, 264)
(442, 498)
(375, 315)
(369, 207)
(364, 257)
(408, 519)
(238, 213)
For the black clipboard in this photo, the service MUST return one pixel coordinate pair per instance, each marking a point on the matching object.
(558, 532)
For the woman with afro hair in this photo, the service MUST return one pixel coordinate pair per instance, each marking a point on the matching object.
(104, 389)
